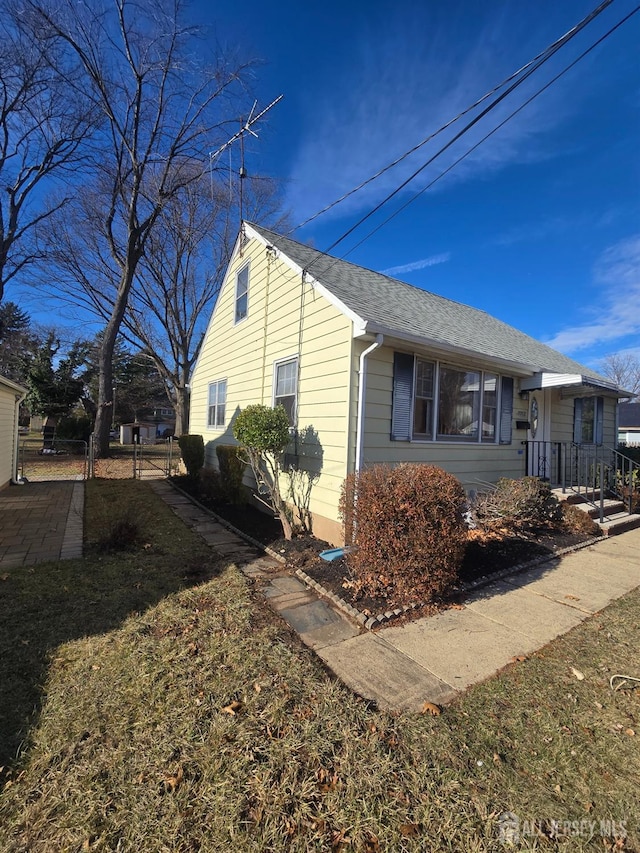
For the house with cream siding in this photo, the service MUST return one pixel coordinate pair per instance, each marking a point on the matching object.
(373, 370)
(11, 395)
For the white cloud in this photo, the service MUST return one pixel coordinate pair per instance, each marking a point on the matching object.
(400, 84)
(617, 316)
(419, 265)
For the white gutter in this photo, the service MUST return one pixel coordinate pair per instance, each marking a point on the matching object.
(362, 393)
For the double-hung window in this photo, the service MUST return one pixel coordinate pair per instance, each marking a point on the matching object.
(242, 293)
(217, 403)
(285, 386)
(442, 402)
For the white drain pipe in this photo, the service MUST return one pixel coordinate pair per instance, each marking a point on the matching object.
(362, 393)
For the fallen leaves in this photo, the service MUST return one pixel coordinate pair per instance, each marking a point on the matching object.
(5, 576)
(233, 708)
(579, 675)
(172, 783)
(409, 830)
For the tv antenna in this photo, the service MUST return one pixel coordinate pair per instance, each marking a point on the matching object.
(245, 127)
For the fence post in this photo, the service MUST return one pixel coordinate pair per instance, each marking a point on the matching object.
(135, 450)
(601, 491)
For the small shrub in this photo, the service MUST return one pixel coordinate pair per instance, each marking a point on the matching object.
(576, 520)
(192, 450)
(263, 434)
(231, 473)
(408, 528)
(518, 505)
(123, 535)
(210, 486)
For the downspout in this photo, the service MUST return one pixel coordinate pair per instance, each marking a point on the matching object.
(362, 393)
(15, 479)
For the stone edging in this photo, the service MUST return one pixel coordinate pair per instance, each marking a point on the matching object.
(260, 545)
(371, 622)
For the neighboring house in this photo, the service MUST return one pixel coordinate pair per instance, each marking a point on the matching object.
(629, 423)
(11, 395)
(373, 370)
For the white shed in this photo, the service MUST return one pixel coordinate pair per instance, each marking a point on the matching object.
(138, 433)
(11, 395)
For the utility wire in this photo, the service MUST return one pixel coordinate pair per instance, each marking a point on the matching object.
(491, 132)
(548, 50)
(469, 125)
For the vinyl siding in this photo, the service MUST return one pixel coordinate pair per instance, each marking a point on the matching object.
(7, 433)
(562, 418)
(244, 354)
(473, 464)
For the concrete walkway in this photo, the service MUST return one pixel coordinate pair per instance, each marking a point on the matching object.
(434, 658)
(41, 522)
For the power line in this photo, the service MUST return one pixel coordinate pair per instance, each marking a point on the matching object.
(551, 49)
(473, 122)
(491, 132)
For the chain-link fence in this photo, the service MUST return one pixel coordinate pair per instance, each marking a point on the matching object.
(53, 459)
(58, 459)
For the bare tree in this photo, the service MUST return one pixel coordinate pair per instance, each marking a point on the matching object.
(180, 275)
(163, 112)
(43, 122)
(624, 370)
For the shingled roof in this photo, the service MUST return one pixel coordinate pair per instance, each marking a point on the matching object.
(404, 311)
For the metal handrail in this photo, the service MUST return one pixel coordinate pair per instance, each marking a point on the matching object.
(588, 470)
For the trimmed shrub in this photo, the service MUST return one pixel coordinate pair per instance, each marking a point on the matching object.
(407, 525)
(210, 486)
(517, 505)
(263, 434)
(232, 470)
(192, 450)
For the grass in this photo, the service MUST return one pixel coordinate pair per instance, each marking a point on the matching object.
(161, 706)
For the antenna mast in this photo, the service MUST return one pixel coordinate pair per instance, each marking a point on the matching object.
(245, 127)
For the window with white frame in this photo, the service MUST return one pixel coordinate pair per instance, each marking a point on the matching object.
(587, 420)
(242, 293)
(217, 403)
(449, 403)
(285, 386)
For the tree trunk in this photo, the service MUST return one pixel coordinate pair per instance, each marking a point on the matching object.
(104, 414)
(181, 410)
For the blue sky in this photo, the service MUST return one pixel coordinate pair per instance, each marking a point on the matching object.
(540, 226)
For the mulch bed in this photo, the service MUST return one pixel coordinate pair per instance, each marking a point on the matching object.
(483, 558)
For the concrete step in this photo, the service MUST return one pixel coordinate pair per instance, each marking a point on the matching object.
(619, 522)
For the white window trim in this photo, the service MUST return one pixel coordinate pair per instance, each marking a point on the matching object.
(247, 267)
(436, 402)
(276, 364)
(224, 423)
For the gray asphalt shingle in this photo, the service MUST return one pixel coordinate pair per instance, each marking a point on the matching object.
(407, 311)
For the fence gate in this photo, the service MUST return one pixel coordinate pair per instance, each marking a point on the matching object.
(147, 460)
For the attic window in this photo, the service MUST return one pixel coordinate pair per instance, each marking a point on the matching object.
(242, 293)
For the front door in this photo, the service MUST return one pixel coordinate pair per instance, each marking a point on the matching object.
(539, 462)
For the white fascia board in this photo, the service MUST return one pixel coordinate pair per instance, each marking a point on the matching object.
(12, 386)
(315, 284)
(392, 336)
(544, 379)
